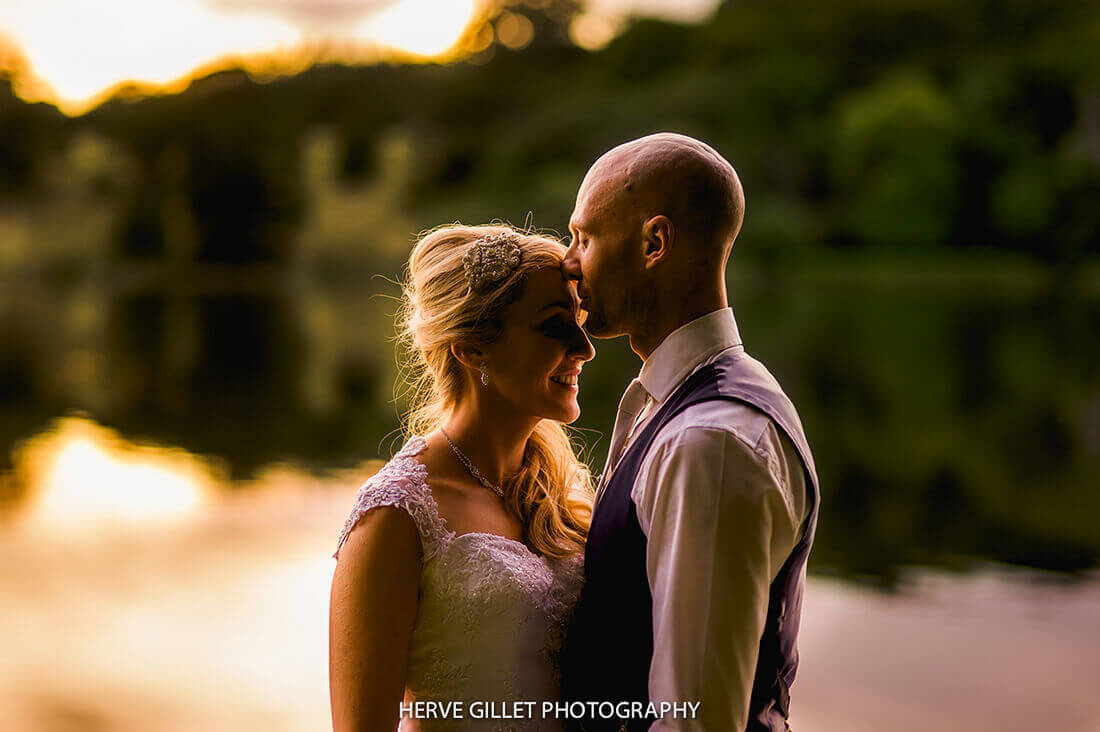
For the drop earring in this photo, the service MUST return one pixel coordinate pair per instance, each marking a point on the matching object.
(484, 374)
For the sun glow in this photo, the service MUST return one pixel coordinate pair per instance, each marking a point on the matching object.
(421, 27)
(80, 50)
(84, 476)
(83, 47)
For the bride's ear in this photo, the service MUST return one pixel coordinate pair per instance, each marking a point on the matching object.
(467, 355)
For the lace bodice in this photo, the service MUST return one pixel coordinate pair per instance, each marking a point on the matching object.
(491, 614)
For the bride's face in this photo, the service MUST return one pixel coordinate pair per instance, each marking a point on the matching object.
(536, 363)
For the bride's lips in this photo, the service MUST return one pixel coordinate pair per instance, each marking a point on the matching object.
(566, 374)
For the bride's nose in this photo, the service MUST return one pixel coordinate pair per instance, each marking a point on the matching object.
(581, 346)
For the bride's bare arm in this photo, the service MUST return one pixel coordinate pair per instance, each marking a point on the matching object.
(371, 615)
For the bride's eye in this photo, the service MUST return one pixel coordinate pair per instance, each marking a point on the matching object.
(557, 328)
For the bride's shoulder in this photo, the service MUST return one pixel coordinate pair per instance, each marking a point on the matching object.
(400, 483)
(404, 473)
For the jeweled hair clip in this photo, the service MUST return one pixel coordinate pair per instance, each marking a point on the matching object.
(490, 259)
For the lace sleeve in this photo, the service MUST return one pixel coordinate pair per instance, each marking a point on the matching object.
(561, 601)
(568, 580)
(401, 483)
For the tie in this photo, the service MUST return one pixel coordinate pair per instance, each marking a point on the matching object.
(633, 401)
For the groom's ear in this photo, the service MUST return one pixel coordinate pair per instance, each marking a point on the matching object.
(657, 236)
(468, 355)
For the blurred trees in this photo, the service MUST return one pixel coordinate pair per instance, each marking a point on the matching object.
(894, 160)
(908, 125)
(29, 135)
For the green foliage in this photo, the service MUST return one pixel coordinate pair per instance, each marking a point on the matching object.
(895, 163)
(1022, 199)
(904, 125)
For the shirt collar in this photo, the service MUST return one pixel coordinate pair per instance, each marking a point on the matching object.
(685, 349)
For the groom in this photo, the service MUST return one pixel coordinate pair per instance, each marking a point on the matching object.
(705, 513)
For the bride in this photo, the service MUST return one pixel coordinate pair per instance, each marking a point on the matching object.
(461, 558)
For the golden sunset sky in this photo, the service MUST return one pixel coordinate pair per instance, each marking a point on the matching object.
(77, 51)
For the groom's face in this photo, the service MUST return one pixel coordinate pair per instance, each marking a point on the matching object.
(599, 258)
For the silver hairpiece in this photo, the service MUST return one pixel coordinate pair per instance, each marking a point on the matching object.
(490, 259)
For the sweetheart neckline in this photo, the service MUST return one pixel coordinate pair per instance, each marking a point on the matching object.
(420, 444)
(506, 539)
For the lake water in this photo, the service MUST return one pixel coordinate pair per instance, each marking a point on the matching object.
(208, 611)
(165, 549)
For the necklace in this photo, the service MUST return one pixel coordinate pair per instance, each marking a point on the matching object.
(472, 470)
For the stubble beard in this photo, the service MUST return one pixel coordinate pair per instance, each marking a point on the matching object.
(596, 324)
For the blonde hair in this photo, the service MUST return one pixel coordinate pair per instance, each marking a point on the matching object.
(552, 494)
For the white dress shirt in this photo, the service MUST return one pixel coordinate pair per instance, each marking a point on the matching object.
(721, 498)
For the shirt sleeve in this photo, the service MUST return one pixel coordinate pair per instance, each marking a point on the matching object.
(720, 519)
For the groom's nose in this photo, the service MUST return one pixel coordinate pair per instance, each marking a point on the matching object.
(571, 265)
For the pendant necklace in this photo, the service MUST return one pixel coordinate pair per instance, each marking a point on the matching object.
(471, 469)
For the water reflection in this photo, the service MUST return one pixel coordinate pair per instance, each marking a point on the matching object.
(208, 611)
(955, 417)
(950, 428)
(165, 548)
(82, 476)
(138, 591)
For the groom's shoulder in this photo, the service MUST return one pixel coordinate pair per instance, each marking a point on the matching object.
(719, 420)
(732, 433)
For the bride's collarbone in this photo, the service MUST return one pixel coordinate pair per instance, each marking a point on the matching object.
(470, 508)
(465, 506)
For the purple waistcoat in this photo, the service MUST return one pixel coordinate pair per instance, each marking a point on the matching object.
(609, 647)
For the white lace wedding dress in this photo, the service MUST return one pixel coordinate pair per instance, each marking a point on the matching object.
(491, 614)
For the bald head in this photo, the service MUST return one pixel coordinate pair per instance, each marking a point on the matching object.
(679, 177)
(652, 229)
